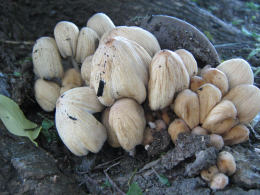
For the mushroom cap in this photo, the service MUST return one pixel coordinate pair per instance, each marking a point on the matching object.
(226, 163)
(246, 99)
(46, 94)
(176, 127)
(209, 96)
(216, 141)
(77, 127)
(221, 118)
(148, 136)
(100, 23)
(161, 86)
(208, 174)
(142, 37)
(87, 44)
(66, 36)
(46, 59)
(127, 120)
(186, 106)
(238, 72)
(199, 131)
(71, 79)
(217, 78)
(86, 69)
(236, 135)
(120, 68)
(196, 82)
(189, 61)
(219, 181)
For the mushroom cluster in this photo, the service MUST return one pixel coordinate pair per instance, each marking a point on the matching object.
(124, 66)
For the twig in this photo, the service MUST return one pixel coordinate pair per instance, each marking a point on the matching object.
(17, 42)
(111, 181)
(149, 165)
(100, 166)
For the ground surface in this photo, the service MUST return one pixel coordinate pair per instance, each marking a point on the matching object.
(232, 26)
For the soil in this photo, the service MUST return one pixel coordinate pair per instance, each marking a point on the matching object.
(233, 27)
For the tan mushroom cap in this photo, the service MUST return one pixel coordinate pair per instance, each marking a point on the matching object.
(86, 69)
(199, 131)
(71, 79)
(246, 98)
(189, 61)
(46, 59)
(87, 44)
(77, 127)
(46, 94)
(217, 78)
(186, 106)
(66, 36)
(226, 163)
(221, 118)
(238, 72)
(219, 181)
(209, 96)
(208, 174)
(100, 23)
(127, 120)
(236, 135)
(216, 141)
(176, 127)
(142, 37)
(120, 69)
(196, 82)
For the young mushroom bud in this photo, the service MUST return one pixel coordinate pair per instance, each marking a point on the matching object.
(46, 94)
(71, 79)
(226, 163)
(120, 69)
(86, 69)
(208, 174)
(219, 181)
(46, 59)
(236, 135)
(196, 82)
(189, 61)
(186, 106)
(217, 78)
(216, 141)
(127, 120)
(77, 127)
(199, 131)
(221, 118)
(87, 44)
(209, 96)
(66, 36)
(246, 99)
(238, 72)
(142, 37)
(148, 136)
(176, 127)
(100, 23)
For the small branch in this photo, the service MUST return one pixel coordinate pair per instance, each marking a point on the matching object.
(17, 42)
(111, 181)
(102, 165)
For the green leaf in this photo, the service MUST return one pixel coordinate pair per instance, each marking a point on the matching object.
(15, 121)
(164, 180)
(17, 74)
(253, 53)
(134, 189)
(47, 124)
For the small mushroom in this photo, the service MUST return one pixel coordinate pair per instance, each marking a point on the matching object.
(219, 181)
(100, 23)
(86, 69)
(217, 78)
(209, 96)
(246, 99)
(66, 36)
(142, 37)
(127, 120)
(236, 135)
(71, 79)
(189, 61)
(196, 82)
(238, 72)
(148, 136)
(79, 130)
(226, 163)
(87, 44)
(186, 106)
(46, 59)
(176, 127)
(46, 94)
(221, 118)
(208, 174)
(199, 131)
(216, 141)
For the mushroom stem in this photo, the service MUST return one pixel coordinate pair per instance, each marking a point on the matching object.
(74, 63)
